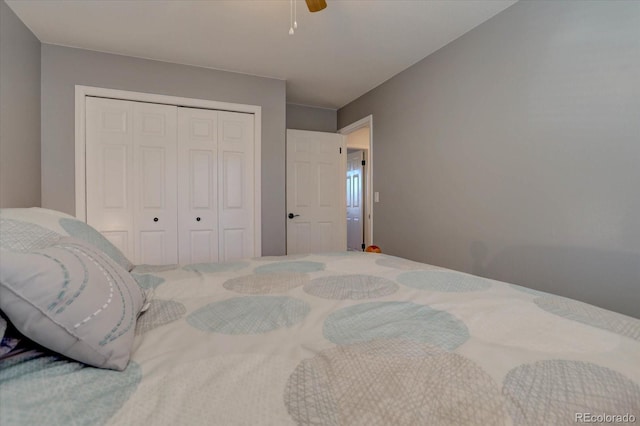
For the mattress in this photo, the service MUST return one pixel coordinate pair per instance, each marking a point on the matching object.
(341, 339)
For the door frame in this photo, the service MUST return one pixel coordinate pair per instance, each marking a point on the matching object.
(82, 92)
(368, 170)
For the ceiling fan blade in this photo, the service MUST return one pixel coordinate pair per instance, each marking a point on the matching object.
(316, 5)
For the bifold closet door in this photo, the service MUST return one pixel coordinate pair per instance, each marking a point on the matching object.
(215, 185)
(197, 185)
(131, 177)
(109, 170)
(155, 203)
(236, 185)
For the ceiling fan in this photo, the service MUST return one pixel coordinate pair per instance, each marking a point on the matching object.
(316, 5)
(313, 5)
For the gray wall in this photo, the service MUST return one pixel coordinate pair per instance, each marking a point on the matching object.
(514, 152)
(63, 68)
(302, 117)
(19, 112)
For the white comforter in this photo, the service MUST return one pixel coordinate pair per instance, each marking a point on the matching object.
(342, 339)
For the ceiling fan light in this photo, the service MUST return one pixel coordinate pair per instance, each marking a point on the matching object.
(316, 5)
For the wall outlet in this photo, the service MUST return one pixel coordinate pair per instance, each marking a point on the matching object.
(376, 197)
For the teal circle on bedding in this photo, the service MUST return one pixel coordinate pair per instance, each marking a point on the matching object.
(249, 314)
(590, 315)
(553, 391)
(391, 320)
(212, 268)
(400, 263)
(47, 390)
(84, 232)
(354, 287)
(294, 266)
(147, 281)
(445, 281)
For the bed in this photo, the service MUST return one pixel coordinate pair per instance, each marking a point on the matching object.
(342, 338)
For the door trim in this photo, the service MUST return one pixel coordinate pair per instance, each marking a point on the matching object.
(81, 93)
(365, 122)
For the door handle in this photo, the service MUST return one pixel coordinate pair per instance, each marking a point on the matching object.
(291, 215)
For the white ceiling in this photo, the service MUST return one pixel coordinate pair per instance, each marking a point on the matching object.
(335, 56)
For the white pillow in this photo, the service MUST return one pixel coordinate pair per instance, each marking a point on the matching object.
(73, 299)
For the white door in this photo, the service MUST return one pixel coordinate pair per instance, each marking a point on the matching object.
(197, 185)
(355, 215)
(109, 170)
(236, 185)
(315, 192)
(155, 203)
(131, 177)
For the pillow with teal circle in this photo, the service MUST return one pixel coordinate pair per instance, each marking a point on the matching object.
(72, 299)
(28, 228)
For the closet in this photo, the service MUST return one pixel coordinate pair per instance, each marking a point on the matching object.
(169, 184)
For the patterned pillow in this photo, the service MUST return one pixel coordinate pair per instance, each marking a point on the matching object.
(73, 299)
(34, 228)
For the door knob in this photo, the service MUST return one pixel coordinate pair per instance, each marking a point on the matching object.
(291, 215)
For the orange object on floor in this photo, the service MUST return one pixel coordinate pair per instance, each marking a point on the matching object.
(373, 249)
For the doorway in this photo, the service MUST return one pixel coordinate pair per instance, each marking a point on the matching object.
(359, 137)
(355, 198)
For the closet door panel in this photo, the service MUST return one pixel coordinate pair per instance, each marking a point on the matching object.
(234, 244)
(197, 185)
(153, 247)
(236, 184)
(109, 170)
(203, 248)
(234, 166)
(202, 167)
(155, 204)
